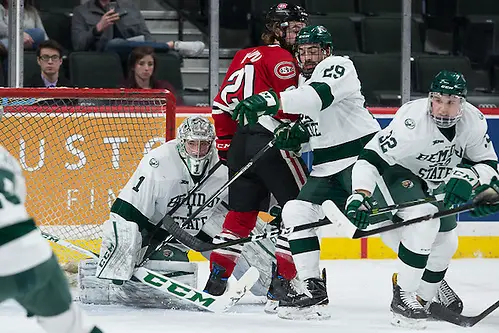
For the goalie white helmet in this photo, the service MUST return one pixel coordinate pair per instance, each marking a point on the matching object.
(196, 136)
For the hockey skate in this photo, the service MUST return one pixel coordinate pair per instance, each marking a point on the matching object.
(311, 304)
(216, 284)
(407, 311)
(448, 298)
(280, 293)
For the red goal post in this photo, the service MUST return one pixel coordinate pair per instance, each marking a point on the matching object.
(78, 148)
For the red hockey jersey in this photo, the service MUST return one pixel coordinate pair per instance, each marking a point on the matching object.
(252, 71)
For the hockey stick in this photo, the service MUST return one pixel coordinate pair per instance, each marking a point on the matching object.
(179, 204)
(198, 245)
(177, 289)
(230, 181)
(386, 209)
(442, 313)
(349, 230)
(167, 220)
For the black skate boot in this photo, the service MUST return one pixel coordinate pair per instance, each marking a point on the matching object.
(448, 298)
(280, 293)
(311, 304)
(216, 284)
(406, 309)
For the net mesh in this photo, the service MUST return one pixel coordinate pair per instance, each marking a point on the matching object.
(77, 149)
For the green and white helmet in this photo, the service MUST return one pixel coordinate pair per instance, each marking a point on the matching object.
(196, 136)
(450, 85)
(310, 35)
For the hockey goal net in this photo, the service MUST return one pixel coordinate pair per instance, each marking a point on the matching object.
(77, 149)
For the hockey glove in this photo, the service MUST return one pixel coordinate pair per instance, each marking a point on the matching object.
(485, 196)
(249, 110)
(357, 209)
(223, 145)
(291, 137)
(459, 187)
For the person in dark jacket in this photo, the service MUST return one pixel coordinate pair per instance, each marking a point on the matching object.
(49, 58)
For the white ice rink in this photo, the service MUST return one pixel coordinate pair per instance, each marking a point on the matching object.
(359, 294)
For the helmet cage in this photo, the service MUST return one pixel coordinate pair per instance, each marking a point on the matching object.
(195, 144)
(445, 121)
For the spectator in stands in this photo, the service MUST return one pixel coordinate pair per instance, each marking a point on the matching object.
(34, 32)
(103, 25)
(49, 55)
(141, 72)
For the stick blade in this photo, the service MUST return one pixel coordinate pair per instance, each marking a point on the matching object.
(338, 219)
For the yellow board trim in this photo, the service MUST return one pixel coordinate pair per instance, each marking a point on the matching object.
(331, 248)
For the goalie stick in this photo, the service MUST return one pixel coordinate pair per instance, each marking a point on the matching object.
(177, 289)
(349, 230)
(179, 204)
(167, 219)
(442, 313)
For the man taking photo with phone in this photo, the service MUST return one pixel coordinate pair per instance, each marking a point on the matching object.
(102, 25)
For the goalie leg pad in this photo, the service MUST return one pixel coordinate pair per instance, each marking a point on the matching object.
(260, 255)
(121, 244)
(93, 290)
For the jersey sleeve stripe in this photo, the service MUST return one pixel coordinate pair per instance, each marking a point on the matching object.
(130, 213)
(324, 92)
(14, 231)
(373, 158)
(341, 151)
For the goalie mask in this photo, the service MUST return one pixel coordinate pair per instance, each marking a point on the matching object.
(313, 44)
(447, 98)
(195, 143)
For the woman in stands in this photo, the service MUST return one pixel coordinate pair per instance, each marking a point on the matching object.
(141, 72)
(34, 32)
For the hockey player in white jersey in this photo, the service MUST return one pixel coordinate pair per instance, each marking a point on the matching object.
(162, 179)
(29, 272)
(432, 143)
(338, 126)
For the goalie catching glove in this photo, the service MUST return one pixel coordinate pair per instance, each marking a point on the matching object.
(357, 209)
(250, 109)
(486, 197)
(291, 137)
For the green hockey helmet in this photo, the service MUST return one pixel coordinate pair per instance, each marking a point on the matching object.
(447, 98)
(309, 56)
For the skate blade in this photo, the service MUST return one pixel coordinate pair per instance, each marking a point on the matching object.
(271, 306)
(315, 312)
(404, 322)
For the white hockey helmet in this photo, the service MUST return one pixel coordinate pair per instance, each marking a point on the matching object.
(196, 136)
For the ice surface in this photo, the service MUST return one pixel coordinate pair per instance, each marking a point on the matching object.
(359, 293)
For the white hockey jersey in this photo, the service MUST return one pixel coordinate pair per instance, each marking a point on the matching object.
(413, 141)
(160, 181)
(21, 245)
(335, 116)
